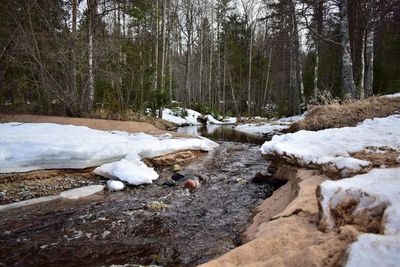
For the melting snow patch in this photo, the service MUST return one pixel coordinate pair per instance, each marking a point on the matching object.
(374, 250)
(34, 146)
(392, 95)
(333, 146)
(260, 129)
(269, 128)
(378, 188)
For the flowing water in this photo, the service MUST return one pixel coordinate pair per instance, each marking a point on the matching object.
(152, 224)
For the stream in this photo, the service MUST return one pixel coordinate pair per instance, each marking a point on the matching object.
(146, 225)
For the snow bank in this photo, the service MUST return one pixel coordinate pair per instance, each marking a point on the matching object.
(191, 117)
(332, 147)
(392, 95)
(374, 250)
(379, 187)
(173, 116)
(34, 146)
(292, 119)
(271, 127)
(376, 189)
(260, 129)
(212, 120)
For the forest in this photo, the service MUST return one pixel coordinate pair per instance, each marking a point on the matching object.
(226, 57)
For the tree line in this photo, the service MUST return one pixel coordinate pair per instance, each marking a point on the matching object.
(237, 57)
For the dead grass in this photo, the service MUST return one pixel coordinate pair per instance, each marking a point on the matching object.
(347, 114)
(130, 115)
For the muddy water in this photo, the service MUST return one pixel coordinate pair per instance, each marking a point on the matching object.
(145, 225)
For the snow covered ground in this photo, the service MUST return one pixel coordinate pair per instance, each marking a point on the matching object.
(260, 129)
(380, 188)
(269, 128)
(332, 147)
(377, 190)
(392, 95)
(191, 117)
(33, 146)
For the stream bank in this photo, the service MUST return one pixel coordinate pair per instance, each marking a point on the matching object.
(152, 224)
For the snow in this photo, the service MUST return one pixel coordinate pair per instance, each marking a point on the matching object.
(333, 146)
(191, 117)
(34, 146)
(392, 95)
(292, 119)
(372, 250)
(133, 171)
(174, 116)
(114, 185)
(260, 129)
(379, 187)
(212, 120)
(271, 127)
(82, 192)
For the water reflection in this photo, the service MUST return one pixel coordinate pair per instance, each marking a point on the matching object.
(222, 133)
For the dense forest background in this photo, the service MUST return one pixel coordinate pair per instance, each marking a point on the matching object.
(231, 57)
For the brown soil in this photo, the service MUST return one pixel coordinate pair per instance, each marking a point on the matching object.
(99, 124)
(292, 237)
(128, 115)
(182, 157)
(347, 114)
(386, 157)
(24, 186)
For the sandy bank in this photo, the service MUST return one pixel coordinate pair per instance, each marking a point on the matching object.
(98, 124)
(285, 231)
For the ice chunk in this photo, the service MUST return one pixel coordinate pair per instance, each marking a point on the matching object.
(82, 192)
(114, 185)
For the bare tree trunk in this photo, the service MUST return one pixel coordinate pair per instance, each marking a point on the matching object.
(163, 55)
(224, 86)
(319, 17)
(92, 6)
(369, 66)
(170, 75)
(73, 94)
(210, 100)
(347, 63)
(316, 71)
(233, 95)
(249, 77)
(157, 48)
(362, 77)
(268, 74)
(201, 40)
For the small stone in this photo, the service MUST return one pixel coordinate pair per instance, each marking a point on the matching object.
(157, 205)
(191, 184)
(241, 181)
(24, 194)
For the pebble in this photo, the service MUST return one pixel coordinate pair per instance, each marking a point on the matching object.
(191, 184)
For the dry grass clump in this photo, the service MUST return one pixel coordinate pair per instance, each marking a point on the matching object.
(130, 115)
(347, 114)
